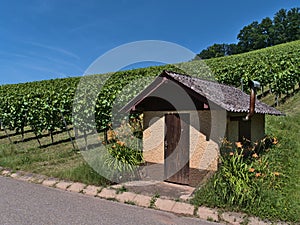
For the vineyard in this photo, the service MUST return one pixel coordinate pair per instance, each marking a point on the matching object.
(40, 105)
(48, 106)
(276, 68)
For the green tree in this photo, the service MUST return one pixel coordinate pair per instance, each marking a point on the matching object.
(266, 29)
(219, 50)
(293, 25)
(214, 51)
(249, 37)
(233, 49)
(284, 27)
(280, 27)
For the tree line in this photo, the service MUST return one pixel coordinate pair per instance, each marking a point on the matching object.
(284, 27)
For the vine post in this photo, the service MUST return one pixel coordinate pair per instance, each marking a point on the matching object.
(66, 128)
(7, 134)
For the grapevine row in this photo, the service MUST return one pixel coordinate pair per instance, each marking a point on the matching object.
(276, 67)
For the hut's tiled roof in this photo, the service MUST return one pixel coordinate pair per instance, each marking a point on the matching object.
(227, 97)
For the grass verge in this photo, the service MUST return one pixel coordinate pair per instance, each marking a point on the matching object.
(58, 160)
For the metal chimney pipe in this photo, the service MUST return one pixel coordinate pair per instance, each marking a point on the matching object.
(253, 86)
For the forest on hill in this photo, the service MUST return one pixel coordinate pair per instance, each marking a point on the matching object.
(284, 27)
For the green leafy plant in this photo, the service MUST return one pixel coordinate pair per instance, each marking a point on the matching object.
(234, 183)
(243, 173)
(122, 161)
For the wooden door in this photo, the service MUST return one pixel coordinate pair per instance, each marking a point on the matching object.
(176, 155)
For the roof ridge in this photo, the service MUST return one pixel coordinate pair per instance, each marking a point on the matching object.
(169, 72)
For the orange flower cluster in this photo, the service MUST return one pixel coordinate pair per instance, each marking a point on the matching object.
(121, 143)
(251, 170)
(276, 173)
(275, 141)
(238, 144)
(111, 135)
(257, 174)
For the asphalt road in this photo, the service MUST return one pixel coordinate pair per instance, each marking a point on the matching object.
(26, 203)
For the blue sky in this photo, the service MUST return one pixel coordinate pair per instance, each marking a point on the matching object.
(46, 39)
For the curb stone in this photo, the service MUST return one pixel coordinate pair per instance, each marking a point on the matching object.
(164, 204)
(255, 221)
(25, 178)
(38, 179)
(169, 205)
(183, 208)
(142, 200)
(15, 175)
(50, 182)
(208, 214)
(126, 197)
(6, 172)
(233, 218)
(63, 185)
(76, 187)
(107, 193)
(91, 190)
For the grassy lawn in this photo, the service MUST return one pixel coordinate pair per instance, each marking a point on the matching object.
(286, 157)
(58, 160)
(282, 201)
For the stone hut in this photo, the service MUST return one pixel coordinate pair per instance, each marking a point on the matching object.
(184, 120)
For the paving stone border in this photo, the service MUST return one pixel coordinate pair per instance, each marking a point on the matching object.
(109, 193)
